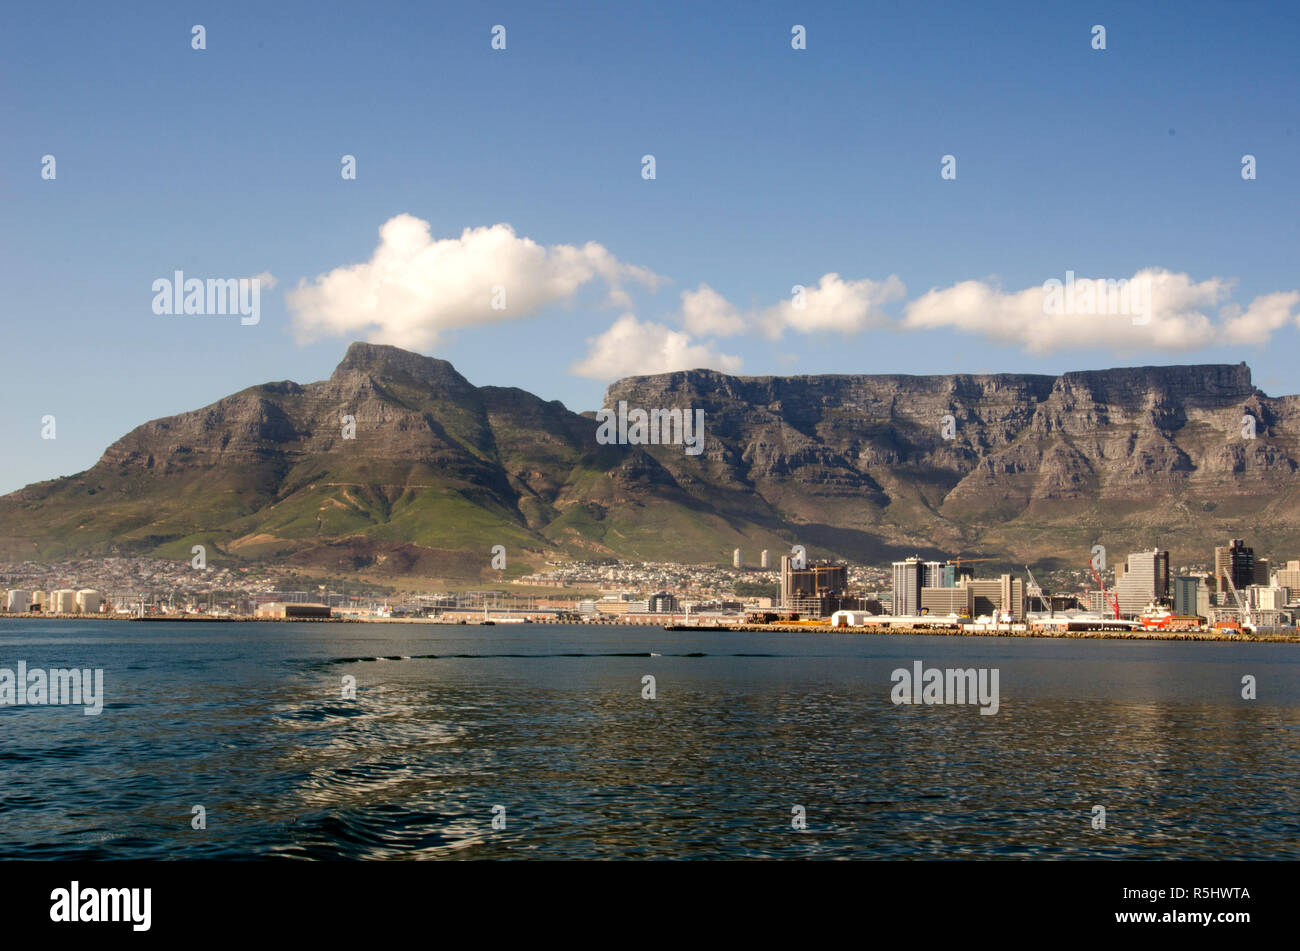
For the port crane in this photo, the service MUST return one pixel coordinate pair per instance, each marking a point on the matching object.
(1242, 606)
(1101, 584)
(1034, 589)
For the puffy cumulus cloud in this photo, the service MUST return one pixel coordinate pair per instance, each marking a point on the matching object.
(707, 313)
(415, 287)
(835, 305)
(631, 347)
(1158, 309)
(1266, 314)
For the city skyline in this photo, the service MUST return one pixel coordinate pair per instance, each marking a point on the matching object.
(815, 588)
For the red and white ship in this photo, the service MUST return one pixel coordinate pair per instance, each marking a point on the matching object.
(1162, 619)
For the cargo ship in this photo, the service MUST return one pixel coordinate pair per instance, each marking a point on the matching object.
(1161, 619)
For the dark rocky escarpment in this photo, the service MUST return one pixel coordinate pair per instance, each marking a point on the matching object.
(1037, 467)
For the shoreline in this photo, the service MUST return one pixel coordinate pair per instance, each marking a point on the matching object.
(939, 632)
(739, 628)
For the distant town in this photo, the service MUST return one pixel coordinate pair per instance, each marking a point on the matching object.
(1234, 593)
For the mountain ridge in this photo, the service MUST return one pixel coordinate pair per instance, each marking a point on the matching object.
(856, 466)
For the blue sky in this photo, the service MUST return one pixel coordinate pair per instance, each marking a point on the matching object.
(774, 167)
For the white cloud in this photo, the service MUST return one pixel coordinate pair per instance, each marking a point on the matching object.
(633, 348)
(835, 305)
(705, 312)
(414, 287)
(1266, 314)
(1175, 319)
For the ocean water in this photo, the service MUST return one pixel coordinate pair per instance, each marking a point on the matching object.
(549, 723)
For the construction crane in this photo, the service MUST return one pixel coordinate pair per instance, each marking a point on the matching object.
(1034, 589)
(959, 561)
(1101, 584)
(1242, 606)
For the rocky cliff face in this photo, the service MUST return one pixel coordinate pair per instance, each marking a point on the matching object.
(1032, 466)
(438, 471)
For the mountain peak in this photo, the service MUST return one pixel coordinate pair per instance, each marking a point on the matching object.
(386, 361)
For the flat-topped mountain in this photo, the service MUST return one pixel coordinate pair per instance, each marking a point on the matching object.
(431, 471)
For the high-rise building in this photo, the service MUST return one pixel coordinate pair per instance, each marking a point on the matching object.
(909, 579)
(763, 560)
(932, 574)
(912, 575)
(817, 590)
(1192, 595)
(1145, 580)
(1262, 572)
(735, 558)
(993, 596)
(1266, 598)
(1239, 562)
(1289, 577)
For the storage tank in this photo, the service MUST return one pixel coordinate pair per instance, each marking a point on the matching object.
(38, 599)
(89, 600)
(63, 601)
(17, 601)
